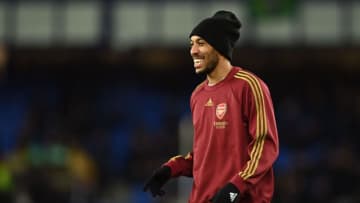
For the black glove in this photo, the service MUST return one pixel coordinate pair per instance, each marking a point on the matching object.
(228, 194)
(157, 180)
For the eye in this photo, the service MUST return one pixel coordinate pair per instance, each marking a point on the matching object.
(201, 43)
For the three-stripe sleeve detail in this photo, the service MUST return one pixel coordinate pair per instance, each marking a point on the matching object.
(261, 124)
(187, 157)
(175, 157)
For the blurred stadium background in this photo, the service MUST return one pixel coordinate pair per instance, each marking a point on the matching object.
(94, 95)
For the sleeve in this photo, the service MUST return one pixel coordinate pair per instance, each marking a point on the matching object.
(180, 165)
(263, 147)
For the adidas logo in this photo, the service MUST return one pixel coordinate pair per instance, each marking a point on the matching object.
(209, 102)
(233, 196)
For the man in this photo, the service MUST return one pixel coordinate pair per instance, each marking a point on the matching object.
(235, 134)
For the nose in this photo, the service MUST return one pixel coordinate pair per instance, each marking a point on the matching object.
(194, 50)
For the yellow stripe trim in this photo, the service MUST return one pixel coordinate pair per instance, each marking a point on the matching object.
(261, 125)
(175, 157)
(258, 146)
(188, 156)
(258, 123)
(261, 130)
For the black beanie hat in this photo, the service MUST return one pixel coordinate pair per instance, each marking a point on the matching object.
(221, 31)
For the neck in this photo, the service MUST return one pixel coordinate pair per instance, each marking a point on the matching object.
(219, 73)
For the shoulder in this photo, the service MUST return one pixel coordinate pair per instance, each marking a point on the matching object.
(248, 78)
(199, 87)
(196, 93)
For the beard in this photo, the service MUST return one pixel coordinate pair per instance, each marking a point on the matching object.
(211, 65)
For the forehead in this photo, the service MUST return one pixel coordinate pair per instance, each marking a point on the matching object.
(196, 38)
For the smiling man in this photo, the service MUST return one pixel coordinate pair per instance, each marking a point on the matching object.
(235, 134)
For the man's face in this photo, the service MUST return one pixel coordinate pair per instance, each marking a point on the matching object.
(205, 57)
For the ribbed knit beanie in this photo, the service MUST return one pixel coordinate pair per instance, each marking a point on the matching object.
(221, 31)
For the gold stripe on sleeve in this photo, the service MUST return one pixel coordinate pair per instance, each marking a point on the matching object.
(175, 157)
(261, 125)
(258, 122)
(188, 156)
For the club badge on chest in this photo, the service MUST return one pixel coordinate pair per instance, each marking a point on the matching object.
(220, 112)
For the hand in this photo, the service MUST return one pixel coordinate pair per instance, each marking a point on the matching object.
(158, 180)
(228, 194)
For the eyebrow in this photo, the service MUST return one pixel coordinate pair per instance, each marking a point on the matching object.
(197, 40)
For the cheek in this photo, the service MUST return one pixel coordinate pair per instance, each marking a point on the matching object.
(212, 57)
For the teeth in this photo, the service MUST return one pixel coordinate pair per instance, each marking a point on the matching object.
(197, 60)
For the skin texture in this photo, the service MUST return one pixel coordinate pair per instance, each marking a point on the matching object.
(208, 61)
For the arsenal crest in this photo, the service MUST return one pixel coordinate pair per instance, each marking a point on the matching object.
(221, 110)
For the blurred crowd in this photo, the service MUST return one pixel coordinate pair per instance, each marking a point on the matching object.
(75, 137)
(318, 120)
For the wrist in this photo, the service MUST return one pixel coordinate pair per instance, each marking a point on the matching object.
(167, 171)
(240, 184)
(228, 194)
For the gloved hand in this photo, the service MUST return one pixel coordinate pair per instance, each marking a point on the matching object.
(228, 194)
(157, 181)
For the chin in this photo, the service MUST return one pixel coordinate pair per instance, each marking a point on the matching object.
(199, 70)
